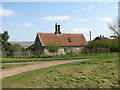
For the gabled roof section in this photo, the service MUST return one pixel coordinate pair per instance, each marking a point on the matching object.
(62, 39)
(31, 46)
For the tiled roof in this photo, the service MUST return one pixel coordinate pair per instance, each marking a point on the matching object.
(62, 39)
(100, 38)
(22, 43)
(31, 46)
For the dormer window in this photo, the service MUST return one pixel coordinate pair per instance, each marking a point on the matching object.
(69, 40)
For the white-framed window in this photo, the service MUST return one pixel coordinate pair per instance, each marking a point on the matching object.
(73, 49)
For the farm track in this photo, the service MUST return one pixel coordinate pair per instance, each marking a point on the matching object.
(38, 65)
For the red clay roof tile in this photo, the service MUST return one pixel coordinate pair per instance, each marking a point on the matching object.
(31, 47)
(62, 39)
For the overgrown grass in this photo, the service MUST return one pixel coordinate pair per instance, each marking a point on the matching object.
(62, 57)
(98, 73)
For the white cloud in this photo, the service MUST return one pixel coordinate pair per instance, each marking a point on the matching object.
(91, 7)
(106, 19)
(6, 12)
(106, 3)
(27, 25)
(116, 7)
(81, 20)
(55, 18)
(81, 30)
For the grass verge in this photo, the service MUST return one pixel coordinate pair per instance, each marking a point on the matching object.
(4, 67)
(63, 57)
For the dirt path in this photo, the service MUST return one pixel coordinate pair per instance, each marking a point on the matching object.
(14, 71)
(44, 61)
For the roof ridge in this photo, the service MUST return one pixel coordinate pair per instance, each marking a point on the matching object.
(62, 33)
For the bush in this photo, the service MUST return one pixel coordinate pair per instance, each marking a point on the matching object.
(53, 47)
(14, 48)
(112, 44)
(5, 53)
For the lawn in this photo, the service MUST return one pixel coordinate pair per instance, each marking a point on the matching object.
(62, 57)
(98, 73)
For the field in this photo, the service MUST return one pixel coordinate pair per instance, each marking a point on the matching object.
(63, 57)
(102, 72)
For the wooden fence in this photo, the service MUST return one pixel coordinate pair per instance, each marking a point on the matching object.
(95, 50)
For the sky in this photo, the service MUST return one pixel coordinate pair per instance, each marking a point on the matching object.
(23, 20)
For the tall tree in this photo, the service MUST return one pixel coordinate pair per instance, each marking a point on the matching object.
(4, 40)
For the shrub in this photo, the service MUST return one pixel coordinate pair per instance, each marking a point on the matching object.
(112, 44)
(5, 53)
(14, 48)
(53, 47)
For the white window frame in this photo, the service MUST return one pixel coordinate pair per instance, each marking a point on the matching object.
(74, 49)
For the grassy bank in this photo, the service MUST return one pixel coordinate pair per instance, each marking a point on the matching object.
(63, 57)
(98, 73)
(4, 67)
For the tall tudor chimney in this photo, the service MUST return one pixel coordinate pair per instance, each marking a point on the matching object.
(57, 29)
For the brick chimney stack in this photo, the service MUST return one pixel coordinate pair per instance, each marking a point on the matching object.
(57, 29)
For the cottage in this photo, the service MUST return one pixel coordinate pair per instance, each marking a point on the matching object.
(100, 38)
(74, 41)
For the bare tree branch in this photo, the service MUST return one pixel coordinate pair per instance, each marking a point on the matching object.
(114, 29)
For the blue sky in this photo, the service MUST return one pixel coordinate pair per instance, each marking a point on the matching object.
(24, 19)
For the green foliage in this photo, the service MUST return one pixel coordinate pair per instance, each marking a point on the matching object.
(5, 53)
(23, 49)
(67, 49)
(53, 47)
(112, 44)
(14, 48)
(4, 38)
(5, 46)
(62, 57)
